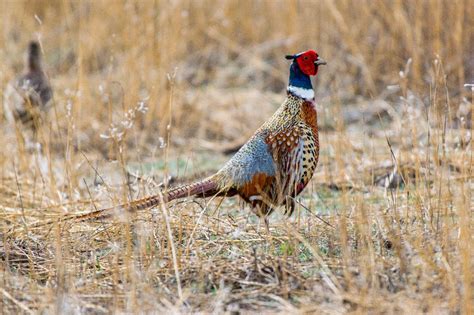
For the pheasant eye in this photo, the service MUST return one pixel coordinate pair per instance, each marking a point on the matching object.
(305, 57)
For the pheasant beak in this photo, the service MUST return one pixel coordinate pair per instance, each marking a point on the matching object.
(320, 61)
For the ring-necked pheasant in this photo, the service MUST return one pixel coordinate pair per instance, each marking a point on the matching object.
(30, 91)
(273, 167)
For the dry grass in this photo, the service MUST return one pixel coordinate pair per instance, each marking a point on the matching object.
(390, 226)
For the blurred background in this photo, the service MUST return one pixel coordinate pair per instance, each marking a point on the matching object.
(223, 56)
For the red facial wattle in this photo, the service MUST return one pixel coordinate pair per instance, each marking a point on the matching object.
(306, 62)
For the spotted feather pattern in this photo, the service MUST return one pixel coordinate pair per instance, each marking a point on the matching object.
(279, 160)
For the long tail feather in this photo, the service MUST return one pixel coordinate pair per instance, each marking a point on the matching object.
(204, 188)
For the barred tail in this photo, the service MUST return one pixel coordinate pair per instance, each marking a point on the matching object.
(204, 188)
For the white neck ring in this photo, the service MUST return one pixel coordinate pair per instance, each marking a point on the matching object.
(307, 94)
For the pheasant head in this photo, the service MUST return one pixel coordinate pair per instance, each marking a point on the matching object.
(304, 65)
(33, 57)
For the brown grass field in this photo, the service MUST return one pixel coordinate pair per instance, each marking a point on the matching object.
(151, 94)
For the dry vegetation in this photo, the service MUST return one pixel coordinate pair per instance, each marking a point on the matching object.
(150, 93)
